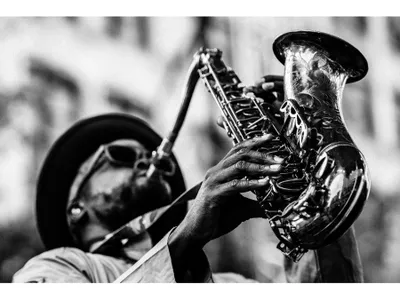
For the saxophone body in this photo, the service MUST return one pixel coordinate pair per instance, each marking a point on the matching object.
(324, 181)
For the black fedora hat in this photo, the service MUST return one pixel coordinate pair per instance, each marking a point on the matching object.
(67, 155)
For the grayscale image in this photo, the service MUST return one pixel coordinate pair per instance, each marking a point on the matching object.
(199, 149)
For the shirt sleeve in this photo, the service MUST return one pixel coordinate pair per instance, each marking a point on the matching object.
(231, 278)
(156, 267)
(338, 262)
(55, 266)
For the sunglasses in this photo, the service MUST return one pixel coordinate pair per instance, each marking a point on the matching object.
(137, 158)
(128, 156)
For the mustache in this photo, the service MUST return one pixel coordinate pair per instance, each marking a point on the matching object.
(131, 200)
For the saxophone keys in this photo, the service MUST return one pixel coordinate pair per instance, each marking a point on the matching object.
(302, 134)
(290, 127)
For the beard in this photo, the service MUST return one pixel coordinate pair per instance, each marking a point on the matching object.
(132, 199)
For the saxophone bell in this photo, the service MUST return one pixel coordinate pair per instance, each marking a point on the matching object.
(317, 67)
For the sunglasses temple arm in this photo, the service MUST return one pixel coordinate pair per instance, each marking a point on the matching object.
(165, 148)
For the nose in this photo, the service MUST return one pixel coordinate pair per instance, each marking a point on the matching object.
(141, 165)
(144, 166)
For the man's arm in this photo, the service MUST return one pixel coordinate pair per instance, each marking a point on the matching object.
(55, 266)
(217, 209)
(337, 262)
(156, 266)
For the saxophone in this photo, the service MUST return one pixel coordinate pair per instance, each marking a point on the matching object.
(324, 180)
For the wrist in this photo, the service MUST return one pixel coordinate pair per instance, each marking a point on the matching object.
(182, 250)
(189, 262)
(181, 241)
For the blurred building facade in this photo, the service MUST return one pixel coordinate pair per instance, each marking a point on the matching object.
(55, 71)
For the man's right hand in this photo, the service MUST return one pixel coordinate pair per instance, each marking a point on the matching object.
(219, 207)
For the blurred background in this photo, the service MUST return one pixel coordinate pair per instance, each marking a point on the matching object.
(57, 70)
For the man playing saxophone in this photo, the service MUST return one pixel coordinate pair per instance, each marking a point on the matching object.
(87, 191)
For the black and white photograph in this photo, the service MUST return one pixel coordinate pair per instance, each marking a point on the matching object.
(199, 149)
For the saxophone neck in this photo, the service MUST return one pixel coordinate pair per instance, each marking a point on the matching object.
(164, 151)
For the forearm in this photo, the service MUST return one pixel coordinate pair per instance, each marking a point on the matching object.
(189, 262)
(340, 261)
(179, 250)
(337, 262)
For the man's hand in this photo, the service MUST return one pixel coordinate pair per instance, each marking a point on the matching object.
(219, 207)
(269, 88)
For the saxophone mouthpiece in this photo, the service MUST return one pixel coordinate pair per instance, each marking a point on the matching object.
(161, 163)
(152, 172)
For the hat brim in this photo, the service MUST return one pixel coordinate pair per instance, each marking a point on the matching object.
(67, 155)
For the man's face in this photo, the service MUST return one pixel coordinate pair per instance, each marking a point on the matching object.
(114, 194)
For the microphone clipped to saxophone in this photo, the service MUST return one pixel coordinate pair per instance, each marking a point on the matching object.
(324, 181)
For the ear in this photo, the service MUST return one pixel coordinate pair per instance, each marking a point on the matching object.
(76, 212)
(77, 218)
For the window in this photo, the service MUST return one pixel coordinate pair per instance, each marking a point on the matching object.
(143, 31)
(114, 26)
(124, 103)
(397, 105)
(358, 24)
(357, 107)
(394, 32)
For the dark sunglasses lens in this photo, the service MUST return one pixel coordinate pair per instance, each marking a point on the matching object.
(124, 155)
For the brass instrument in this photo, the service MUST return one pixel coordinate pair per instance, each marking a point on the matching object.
(324, 181)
